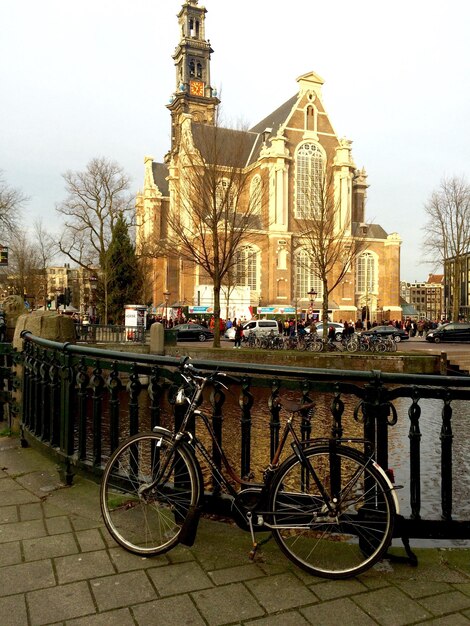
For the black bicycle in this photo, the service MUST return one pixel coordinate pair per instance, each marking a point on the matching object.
(330, 508)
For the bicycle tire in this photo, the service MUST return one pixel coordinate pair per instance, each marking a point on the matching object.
(352, 346)
(316, 346)
(148, 523)
(342, 545)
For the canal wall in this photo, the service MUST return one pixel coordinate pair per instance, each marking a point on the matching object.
(396, 363)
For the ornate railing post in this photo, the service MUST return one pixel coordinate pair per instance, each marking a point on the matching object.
(83, 381)
(217, 400)
(54, 381)
(306, 424)
(134, 388)
(97, 383)
(114, 384)
(274, 422)
(155, 391)
(337, 410)
(446, 437)
(414, 435)
(246, 403)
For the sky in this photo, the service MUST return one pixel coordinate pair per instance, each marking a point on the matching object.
(88, 79)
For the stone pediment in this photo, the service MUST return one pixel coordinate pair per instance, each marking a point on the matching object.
(310, 82)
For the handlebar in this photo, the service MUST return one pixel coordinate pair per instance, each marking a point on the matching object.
(188, 368)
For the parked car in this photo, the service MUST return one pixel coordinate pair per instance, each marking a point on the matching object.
(454, 331)
(193, 332)
(338, 329)
(386, 331)
(260, 327)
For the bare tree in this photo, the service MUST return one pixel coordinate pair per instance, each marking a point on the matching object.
(325, 235)
(23, 274)
(214, 207)
(47, 248)
(96, 197)
(11, 202)
(447, 232)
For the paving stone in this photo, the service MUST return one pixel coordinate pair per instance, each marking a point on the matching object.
(290, 618)
(122, 590)
(277, 593)
(10, 553)
(49, 547)
(179, 578)
(83, 523)
(26, 577)
(421, 589)
(391, 607)
(339, 611)
(22, 530)
(443, 603)
(90, 539)
(31, 511)
(120, 617)
(7, 484)
(18, 496)
(456, 619)
(170, 611)
(13, 611)
(50, 510)
(60, 603)
(125, 561)
(58, 525)
(463, 587)
(8, 514)
(236, 574)
(338, 588)
(83, 565)
(230, 603)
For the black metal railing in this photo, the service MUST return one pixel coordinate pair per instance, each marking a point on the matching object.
(81, 401)
(101, 333)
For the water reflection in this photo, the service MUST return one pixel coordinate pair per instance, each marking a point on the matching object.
(399, 443)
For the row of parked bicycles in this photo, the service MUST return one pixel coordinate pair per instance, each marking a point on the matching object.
(313, 342)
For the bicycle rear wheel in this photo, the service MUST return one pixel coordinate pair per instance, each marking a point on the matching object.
(346, 541)
(147, 489)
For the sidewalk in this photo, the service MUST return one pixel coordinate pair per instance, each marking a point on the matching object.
(59, 566)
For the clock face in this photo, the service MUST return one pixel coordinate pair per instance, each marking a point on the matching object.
(196, 88)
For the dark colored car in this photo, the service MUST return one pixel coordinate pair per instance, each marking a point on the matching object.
(193, 332)
(454, 331)
(386, 331)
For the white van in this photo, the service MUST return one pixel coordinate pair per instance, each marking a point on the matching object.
(260, 327)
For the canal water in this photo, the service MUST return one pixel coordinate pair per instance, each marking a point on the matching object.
(430, 427)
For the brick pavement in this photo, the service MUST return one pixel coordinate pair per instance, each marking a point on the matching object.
(59, 566)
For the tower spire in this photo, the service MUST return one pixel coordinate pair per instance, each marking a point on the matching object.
(193, 91)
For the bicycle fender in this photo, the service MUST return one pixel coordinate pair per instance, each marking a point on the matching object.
(384, 474)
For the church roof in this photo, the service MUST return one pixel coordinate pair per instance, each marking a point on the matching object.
(160, 174)
(374, 231)
(276, 118)
(230, 148)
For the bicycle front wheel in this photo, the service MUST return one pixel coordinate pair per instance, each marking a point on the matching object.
(345, 539)
(147, 489)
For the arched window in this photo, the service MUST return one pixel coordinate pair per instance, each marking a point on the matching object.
(199, 70)
(305, 279)
(224, 198)
(191, 68)
(255, 195)
(309, 173)
(366, 273)
(247, 267)
(310, 118)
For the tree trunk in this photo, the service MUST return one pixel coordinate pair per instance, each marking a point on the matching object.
(325, 309)
(216, 316)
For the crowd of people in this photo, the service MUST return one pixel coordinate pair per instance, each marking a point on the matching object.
(290, 326)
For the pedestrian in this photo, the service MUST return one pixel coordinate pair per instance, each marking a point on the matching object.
(238, 335)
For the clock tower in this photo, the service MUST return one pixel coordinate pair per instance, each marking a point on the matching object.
(193, 93)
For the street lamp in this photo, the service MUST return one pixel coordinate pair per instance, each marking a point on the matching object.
(313, 294)
(166, 295)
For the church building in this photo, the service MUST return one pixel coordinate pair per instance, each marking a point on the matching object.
(278, 156)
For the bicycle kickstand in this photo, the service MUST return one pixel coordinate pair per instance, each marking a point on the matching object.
(252, 553)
